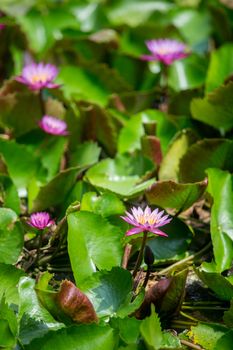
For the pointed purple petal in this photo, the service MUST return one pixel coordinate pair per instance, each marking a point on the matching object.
(134, 231)
(158, 232)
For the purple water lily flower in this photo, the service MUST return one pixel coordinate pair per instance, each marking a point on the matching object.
(39, 76)
(146, 220)
(53, 126)
(40, 220)
(165, 50)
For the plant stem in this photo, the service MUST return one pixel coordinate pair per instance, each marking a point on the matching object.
(38, 248)
(148, 271)
(191, 345)
(187, 260)
(42, 106)
(140, 255)
(126, 256)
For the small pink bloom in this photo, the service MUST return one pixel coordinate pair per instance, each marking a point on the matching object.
(52, 125)
(146, 220)
(38, 76)
(40, 220)
(2, 26)
(165, 50)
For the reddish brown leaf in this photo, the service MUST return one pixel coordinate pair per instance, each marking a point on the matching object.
(153, 295)
(75, 303)
(151, 147)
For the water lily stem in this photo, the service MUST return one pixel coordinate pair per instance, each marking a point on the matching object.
(140, 255)
(42, 106)
(190, 345)
(38, 248)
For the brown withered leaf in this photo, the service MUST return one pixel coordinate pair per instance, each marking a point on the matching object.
(153, 295)
(75, 303)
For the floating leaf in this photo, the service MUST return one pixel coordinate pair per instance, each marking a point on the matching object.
(187, 74)
(81, 337)
(175, 245)
(128, 327)
(172, 300)
(225, 342)
(220, 67)
(56, 190)
(151, 330)
(169, 167)
(20, 108)
(215, 281)
(207, 153)
(134, 13)
(92, 241)
(11, 236)
(106, 205)
(86, 154)
(216, 108)
(35, 320)
(21, 172)
(207, 334)
(221, 225)
(120, 175)
(111, 292)
(170, 194)
(75, 304)
(97, 124)
(8, 194)
(10, 276)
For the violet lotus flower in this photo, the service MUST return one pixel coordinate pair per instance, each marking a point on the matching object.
(165, 50)
(40, 220)
(38, 76)
(146, 220)
(53, 126)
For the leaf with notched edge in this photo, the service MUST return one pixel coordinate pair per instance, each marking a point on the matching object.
(75, 304)
(170, 194)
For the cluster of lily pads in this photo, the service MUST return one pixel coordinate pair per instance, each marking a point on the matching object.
(115, 175)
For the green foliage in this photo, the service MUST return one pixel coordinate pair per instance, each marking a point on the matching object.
(88, 233)
(11, 236)
(221, 226)
(139, 134)
(215, 109)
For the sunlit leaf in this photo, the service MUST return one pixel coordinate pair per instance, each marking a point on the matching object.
(216, 108)
(10, 276)
(221, 225)
(8, 194)
(121, 175)
(92, 242)
(35, 320)
(170, 194)
(220, 67)
(179, 145)
(206, 153)
(11, 236)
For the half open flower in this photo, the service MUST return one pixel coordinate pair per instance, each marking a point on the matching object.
(39, 76)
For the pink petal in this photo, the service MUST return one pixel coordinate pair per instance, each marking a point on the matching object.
(158, 232)
(134, 231)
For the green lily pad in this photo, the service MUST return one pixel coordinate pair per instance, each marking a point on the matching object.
(170, 194)
(122, 175)
(206, 153)
(216, 108)
(92, 242)
(221, 225)
(11, 236)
